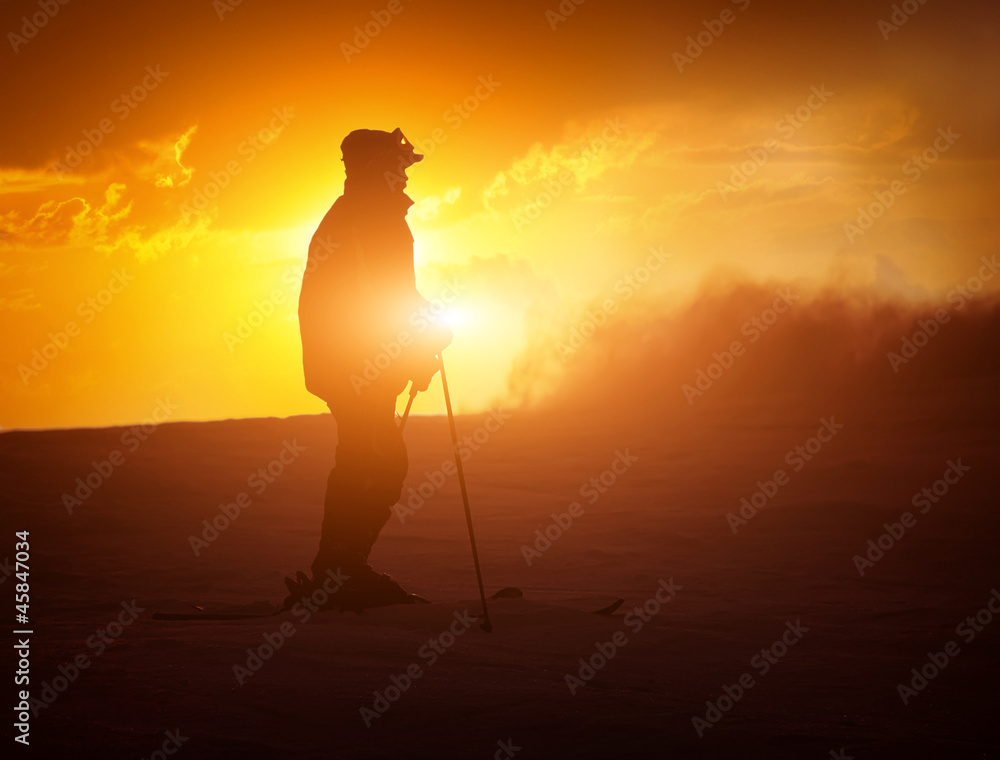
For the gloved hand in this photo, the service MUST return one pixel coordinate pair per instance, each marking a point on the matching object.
(425, 352)
(423, 372)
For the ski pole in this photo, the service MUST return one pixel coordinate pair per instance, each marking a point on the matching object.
(409, 403)
(486, 625)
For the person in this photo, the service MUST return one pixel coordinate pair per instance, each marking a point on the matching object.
(357, 309)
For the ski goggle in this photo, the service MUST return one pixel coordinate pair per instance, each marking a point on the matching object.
(406, 148)
(402, 151)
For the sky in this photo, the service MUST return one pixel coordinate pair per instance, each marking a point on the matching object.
(163, 167)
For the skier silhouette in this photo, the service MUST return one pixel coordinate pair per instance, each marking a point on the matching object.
(357, 311)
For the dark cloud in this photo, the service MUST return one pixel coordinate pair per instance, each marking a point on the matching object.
(854, 346)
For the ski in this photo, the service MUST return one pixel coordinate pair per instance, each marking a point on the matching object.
(509, 592)
(513, 592)
(211, 615)
(611, 608)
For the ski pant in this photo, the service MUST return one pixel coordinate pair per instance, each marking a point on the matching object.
(366, 481)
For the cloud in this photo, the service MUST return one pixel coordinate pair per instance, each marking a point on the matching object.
(586, 154)
(173, 179)
(105, 225)
(108, 215)
(22, 299)
(50, 224)
(70, 222)
(431, 206)
(17, 181)
(829, 344)
(74, 221)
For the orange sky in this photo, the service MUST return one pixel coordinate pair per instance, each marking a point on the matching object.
(213, 152)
